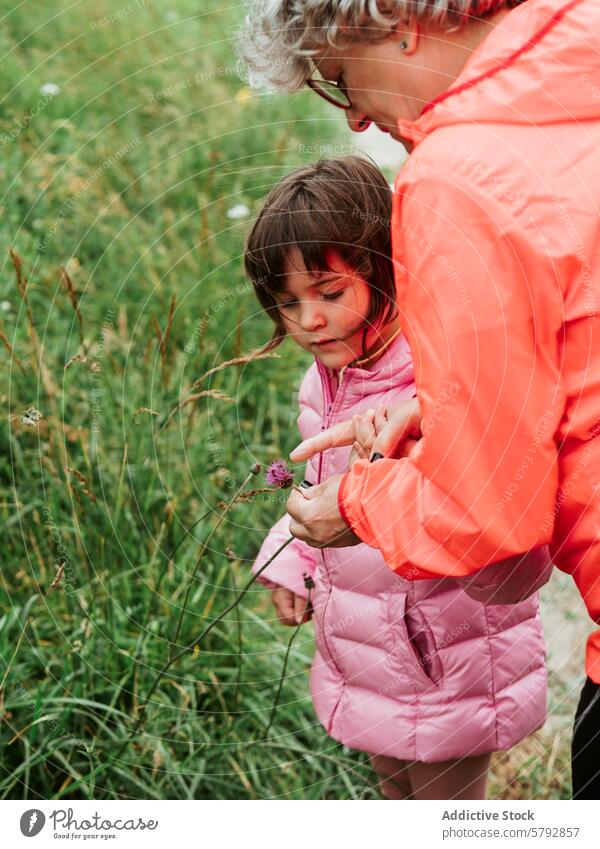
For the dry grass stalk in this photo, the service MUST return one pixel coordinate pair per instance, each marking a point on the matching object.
(237, 361)
(156, 762)
(238, 334)
(206, 393)
(21, 281)
(40, 367)
(84, 484)
(244, 497)
(10, 350)
(64, 275)
(146, 410)
(77, 358)
(163, 340)
(159, 336)
(57, 579)
(122, 324)
(11, 661)
(170, 320)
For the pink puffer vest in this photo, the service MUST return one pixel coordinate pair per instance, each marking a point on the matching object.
(413, 670)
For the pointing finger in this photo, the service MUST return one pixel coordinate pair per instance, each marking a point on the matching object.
(339, 434)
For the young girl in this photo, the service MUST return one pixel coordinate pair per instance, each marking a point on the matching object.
(426, 679)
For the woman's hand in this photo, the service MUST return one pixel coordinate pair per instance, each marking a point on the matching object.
(391, 430)
(290, 607)
(315, 516)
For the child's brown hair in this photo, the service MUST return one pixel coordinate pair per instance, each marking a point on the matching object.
(344, 204)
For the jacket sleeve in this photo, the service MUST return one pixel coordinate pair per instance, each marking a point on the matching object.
(288, 567)
(480, 308)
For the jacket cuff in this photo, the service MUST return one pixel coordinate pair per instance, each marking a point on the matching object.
(340, 500)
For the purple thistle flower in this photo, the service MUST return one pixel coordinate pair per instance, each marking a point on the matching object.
(279, 476)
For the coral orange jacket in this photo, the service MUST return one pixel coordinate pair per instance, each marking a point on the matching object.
(496, 232)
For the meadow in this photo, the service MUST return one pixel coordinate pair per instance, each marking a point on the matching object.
(133, 159)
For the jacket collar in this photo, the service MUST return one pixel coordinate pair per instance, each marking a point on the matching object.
(393, 370)
(474, 96)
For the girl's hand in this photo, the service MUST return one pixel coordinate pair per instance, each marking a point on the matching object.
(289, 607)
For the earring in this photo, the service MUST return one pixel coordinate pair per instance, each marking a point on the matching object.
(403, 45)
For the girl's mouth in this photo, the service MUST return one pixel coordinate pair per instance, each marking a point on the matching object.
(324, 342)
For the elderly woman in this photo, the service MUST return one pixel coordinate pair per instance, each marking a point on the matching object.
(496, 236)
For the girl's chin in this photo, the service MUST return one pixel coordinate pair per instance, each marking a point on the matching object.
(334, 359)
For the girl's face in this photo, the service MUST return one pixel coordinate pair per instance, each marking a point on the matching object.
(324, 311)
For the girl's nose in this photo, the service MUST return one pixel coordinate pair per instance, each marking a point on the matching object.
(311, 317)
(357, 121)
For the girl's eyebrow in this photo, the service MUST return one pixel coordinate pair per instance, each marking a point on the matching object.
(328, 277)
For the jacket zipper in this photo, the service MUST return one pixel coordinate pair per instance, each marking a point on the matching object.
(328, 403)
(333, 405)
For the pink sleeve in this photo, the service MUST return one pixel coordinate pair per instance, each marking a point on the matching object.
(511, 580)
(288, 567)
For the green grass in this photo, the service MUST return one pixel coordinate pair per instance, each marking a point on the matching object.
(124, 179)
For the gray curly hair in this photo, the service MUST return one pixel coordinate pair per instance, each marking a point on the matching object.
(279, 36)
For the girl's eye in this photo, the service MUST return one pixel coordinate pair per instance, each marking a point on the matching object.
(327, 296)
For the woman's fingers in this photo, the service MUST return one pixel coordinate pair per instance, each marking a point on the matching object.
(339, 434)
(403, 421)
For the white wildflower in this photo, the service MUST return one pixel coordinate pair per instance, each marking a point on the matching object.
(238, 212)
(49, 89)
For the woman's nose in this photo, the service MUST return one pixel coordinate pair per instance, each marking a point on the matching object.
(357, 121)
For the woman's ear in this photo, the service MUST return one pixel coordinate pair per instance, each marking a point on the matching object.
(406, 33)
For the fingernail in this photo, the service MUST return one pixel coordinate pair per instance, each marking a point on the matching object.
(298, 618)
(376, 456)
(306, 484)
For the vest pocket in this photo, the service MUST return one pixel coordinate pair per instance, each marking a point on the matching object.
(413, 650)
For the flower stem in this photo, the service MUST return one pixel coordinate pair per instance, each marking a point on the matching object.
(172, 660)
(203, 548)
(285, 660)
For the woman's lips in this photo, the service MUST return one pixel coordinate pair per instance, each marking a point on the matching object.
(324, 342)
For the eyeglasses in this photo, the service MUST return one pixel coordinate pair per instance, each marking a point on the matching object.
(334, 93)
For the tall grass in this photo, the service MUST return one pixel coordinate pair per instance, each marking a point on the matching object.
(121, 274)
(125, 288)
